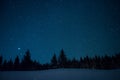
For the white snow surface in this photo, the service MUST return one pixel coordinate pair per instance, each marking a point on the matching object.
(61, 74)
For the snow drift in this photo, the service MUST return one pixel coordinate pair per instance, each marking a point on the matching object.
(61, 74)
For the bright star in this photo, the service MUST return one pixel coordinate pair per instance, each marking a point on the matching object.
(19, 48)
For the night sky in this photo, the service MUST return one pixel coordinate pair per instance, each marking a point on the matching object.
(80, 27)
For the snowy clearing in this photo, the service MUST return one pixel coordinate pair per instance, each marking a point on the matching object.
(61, 74)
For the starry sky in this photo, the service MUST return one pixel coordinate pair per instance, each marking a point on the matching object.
(80, 27)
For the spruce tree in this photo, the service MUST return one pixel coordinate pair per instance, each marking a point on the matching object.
(17, 63)
(0, 62)
(62, 60)
(27, 62)
(54, 61)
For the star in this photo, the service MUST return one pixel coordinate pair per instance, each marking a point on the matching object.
(19, 48)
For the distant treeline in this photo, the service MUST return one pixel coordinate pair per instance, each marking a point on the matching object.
(96, 62)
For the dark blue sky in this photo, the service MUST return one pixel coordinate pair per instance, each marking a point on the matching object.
(80, 27)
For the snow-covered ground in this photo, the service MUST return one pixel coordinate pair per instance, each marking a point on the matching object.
(61, 74)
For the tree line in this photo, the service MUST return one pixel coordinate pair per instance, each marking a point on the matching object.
(96, 62)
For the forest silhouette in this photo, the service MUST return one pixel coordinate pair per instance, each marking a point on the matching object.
(27, 64)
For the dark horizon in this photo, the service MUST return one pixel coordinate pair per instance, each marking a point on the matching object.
(57, 54)
(62, 61)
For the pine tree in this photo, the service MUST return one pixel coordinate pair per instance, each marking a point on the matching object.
(0, 62)
(17, 63)
(117, 60)
(62, 60)
(4, 67)
(27, 62)
(75, 63)
(10, 65)
(54, 61)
